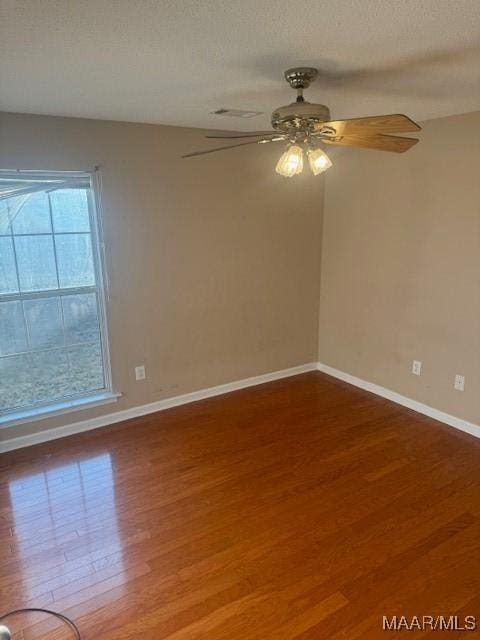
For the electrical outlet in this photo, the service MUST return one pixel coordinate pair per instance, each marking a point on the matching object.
(140, 373)
(459, 383)
(416, 367)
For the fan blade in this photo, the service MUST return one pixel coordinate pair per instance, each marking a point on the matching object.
(230, 146)
(257, 134)
(395, 123)
(379, 142)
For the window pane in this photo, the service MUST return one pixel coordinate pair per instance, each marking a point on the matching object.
(81, 318)
(30, 213)
(4, 218)
(75, 260)
(17, 386)
(36, 263)
(44, 322)
(12, 329)
(8, 274)
(50, 375)
(50, 343)
(70, 210)
(86, 367)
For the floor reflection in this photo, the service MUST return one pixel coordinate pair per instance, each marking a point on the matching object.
(65, 526)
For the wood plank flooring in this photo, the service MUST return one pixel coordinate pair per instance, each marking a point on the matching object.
(303, 508)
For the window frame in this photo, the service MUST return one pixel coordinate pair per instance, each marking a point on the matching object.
(65, 404)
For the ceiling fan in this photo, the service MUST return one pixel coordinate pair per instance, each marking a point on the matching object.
(304, 125)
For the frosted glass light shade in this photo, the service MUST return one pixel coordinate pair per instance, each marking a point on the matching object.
(318, 161)
(291, 161)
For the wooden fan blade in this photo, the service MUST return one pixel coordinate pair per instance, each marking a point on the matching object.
(395, 123)
(379, 142)
(230, 146)
(256, 134)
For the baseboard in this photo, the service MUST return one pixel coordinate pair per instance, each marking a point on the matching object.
(441, 416)
(160, 405)
(201, 394)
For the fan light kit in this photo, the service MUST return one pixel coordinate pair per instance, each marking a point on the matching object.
(304, 125)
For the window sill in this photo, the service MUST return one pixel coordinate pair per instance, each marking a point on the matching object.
(58, 408)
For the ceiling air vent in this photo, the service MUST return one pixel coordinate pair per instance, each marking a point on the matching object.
(236, 113)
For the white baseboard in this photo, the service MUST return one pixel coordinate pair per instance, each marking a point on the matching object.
(175, 401)
(441, 416)
(160, 405)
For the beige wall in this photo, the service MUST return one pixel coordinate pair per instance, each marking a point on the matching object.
(214, 262)
(401, 266)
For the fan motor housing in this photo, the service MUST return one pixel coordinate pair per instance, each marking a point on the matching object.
(299, 116)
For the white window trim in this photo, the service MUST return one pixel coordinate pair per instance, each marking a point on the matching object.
(96, 225)
(57, 408)
(93, 398)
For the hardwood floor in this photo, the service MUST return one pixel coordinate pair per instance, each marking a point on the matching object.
(303, 508)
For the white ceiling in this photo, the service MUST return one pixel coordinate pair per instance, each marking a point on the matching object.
(175, 61)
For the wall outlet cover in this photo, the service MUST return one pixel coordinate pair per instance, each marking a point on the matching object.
(416, 367)
(459, 383)
(140, 373)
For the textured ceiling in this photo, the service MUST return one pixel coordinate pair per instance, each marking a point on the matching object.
(174, 61)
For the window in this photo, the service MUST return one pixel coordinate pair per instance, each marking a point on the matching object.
(52, 323)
